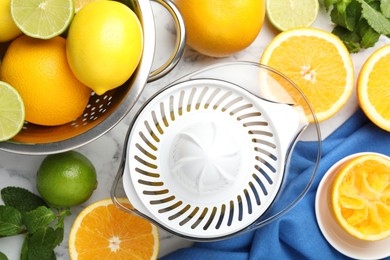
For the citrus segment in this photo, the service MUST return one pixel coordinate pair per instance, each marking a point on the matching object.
(42, 19)
(38, 69)
(221, 28)
(373, 88)
(103, 230)
(318, 63)
(11, 112)
(361, 197)
(287, 14)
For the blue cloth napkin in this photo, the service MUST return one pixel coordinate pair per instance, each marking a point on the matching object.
(296, 235)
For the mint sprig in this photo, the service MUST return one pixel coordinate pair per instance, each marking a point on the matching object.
(27, 213)
(359, 23)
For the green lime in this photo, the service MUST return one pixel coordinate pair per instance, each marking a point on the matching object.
(42, 19)
(66, 179)
(287, 14)
(11, 112)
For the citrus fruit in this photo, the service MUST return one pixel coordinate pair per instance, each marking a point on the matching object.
(39, 71)
(373, 90)
(8, 28)
(318, 63)
(104, 45)
(105, 231)
(221, 28)
(66, 179)
(11, 112)
(361, 197)
(287, 14)
(78, 4)
(42, 19)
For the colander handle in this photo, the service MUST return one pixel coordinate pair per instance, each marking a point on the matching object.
(180, 42)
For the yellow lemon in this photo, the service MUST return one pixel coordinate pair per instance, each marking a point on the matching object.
(104, 45)
(8, 28)
(39, 71)
(221, 28)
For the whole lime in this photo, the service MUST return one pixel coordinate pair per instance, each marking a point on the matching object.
(66, 179)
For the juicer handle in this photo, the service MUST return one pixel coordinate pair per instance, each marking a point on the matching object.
(116, 197)
(180, 41)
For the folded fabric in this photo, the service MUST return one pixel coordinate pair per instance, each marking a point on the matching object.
(296, 235)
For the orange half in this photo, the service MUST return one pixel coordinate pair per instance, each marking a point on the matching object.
(102, 231)
(318, 63)
(360, 197)
(373, 88)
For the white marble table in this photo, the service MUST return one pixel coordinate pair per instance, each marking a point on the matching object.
(105, 153)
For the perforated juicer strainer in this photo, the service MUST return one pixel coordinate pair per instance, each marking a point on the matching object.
(206, 157)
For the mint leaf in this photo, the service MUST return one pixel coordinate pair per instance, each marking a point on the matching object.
(42, 243)
(3, 256)
(368, 35)
(10, 221)
(38, 218)
(346, 14)
(350, 39)
(385, 8)
(21, 199)
(375, 18)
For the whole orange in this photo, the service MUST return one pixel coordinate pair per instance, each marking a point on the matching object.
(39, 70)
(219, 28)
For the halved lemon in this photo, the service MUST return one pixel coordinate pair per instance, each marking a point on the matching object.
(360, 197)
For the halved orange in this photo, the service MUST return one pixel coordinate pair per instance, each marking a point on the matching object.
(360, 197)
(102, 231)
(318, 63)
(373, 87)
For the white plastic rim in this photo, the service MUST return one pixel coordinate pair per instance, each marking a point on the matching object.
(206, 158)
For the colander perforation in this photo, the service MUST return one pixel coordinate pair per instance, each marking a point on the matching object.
(174, 149)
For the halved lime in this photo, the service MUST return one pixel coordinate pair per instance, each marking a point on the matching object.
(11, 112)
(42, 19)
(288, 14)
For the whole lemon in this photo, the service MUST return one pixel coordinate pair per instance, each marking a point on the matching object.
(104, 45)
(8, 28)
(39, 71)
(219, 28)
(66, 179)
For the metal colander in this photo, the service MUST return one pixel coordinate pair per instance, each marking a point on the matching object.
(206, 158)
(103, 112)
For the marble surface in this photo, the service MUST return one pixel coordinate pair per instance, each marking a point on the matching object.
(105, 153)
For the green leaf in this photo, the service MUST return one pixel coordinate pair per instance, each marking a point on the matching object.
(42, 243)
(375, 18)
(346, 14)
(369, 36)
(10, 221)
(21, 199)
(385, 8)
(38, 218)
(24, 253)
(3, 256)
(350, 39)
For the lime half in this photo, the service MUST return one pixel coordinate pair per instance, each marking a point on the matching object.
(288, 14)
(42, 19)
(11, 112)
